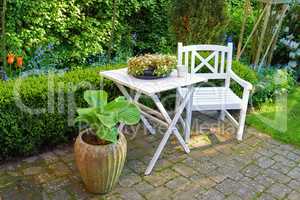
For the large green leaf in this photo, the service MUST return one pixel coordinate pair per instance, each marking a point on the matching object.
(126, 112)
(116, 105)
(108, 120)
(96, 98)
(85, 111)
(86, 115)
(103, 117)
(106, 134)
(131, 115)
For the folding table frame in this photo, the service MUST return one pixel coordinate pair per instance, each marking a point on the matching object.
(152, 88)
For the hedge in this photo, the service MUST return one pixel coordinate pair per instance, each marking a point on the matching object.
(26, 132)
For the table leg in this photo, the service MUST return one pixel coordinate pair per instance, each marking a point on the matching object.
(176, 106)
(188, 122)
(169, 120)
(158, 151)
(136, 98)
(172, 128)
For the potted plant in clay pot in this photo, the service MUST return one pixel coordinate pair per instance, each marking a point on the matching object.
(151, 66)
(100, 149)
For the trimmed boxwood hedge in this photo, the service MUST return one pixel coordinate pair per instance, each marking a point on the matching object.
(24, 133)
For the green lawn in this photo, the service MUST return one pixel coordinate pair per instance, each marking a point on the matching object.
(278, 120)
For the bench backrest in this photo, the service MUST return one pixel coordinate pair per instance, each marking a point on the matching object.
(212, 61)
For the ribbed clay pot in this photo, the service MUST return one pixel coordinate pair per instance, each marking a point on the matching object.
(100, 166)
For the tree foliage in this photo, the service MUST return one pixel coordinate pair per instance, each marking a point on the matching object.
(82, 28)
(199, 21)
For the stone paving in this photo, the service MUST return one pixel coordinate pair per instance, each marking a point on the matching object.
(218, 167)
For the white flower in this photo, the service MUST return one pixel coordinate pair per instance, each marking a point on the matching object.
(285, 41)
(294, 45)
(292, 55)
(290, 36)
(287, 29)
(293, 64)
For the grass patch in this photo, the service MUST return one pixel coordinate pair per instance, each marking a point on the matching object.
(281, 119)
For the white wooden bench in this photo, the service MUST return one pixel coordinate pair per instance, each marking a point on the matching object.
(214, 98)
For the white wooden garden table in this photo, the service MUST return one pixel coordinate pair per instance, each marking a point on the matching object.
(152, 88)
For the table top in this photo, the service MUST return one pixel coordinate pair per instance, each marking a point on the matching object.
(150, 87)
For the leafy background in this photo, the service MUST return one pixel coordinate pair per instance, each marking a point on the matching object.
(71, 38)
(80, 30)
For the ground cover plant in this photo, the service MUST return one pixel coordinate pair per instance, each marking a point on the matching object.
(270, 118)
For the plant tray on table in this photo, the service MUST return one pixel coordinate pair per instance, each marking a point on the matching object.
(151, 66)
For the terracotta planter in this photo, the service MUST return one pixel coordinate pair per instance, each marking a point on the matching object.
(100, 166)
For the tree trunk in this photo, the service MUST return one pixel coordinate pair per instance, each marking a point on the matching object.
(3, 46)
(246, 14)
(113, 30)
(262, 35)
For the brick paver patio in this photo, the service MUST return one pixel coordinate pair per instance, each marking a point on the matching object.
(257, 168)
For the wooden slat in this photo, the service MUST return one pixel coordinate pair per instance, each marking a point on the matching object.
(193, 63)
(210, 98)
(216, 62)
(277, 1)
(205, 62)
(186, 62)
(150, 87)
(231, 118)
(222, 62)
(215, 97)
(163, 123)
(179, 61)
(205, 48)
(206, 107)
(149, 110)
(212, 76)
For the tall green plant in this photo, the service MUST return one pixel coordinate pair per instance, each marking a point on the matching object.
(103, 117)
(199, 21)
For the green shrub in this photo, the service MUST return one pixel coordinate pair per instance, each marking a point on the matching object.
(272, 82)
(26, 131)
(246, 73)
(267, 84)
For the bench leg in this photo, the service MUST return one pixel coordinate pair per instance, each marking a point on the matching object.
(243, 114)
(242, 120)
(222, 115)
